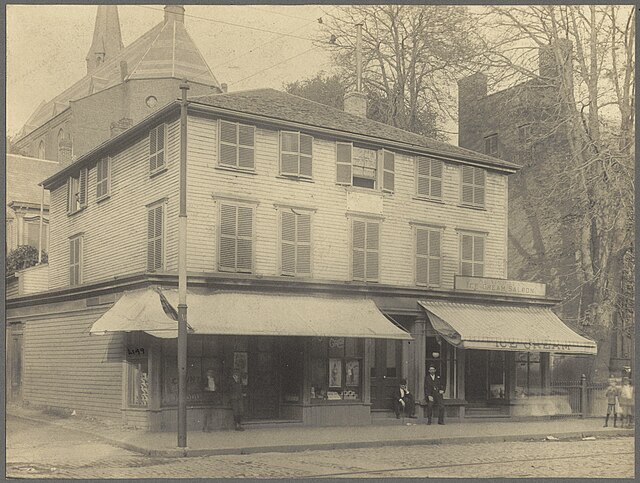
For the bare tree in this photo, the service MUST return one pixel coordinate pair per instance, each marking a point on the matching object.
(411, 56)
(591, 51)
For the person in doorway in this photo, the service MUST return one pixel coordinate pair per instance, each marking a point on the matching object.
(434, 394)
(403, 401)
(612, 393)
(237, 403)
(626, 402)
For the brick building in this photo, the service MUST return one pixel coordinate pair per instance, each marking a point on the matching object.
(523, 124)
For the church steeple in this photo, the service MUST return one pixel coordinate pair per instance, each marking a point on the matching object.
(107, 39)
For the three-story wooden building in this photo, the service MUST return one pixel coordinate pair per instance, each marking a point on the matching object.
(328, 256)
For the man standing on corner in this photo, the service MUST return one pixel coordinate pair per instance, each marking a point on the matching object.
(434, 394)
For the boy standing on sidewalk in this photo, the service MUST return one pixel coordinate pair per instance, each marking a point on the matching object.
(612, 395)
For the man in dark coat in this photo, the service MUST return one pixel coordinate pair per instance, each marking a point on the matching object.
(403, 400)
(237, 404)
(434, 394)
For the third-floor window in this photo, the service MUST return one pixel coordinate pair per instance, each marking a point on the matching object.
(473, 186)
(296, 154)
(237, 145)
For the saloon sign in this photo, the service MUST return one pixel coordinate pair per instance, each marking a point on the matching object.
(527, 346)
(499, 286)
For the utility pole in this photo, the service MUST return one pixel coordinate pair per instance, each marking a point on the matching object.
(182, 275)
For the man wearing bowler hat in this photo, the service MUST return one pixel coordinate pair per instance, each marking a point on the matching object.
(434, 394)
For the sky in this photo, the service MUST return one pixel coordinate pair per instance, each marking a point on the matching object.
(243, 45)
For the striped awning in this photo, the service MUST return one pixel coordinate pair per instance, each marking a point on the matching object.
(240, 313)
(505, 328)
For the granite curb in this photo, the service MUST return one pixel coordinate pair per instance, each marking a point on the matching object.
(292, 448)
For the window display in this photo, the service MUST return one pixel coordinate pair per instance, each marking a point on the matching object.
(335, 368)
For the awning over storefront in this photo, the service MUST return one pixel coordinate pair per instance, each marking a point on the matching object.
(233, 313)
(505, 328)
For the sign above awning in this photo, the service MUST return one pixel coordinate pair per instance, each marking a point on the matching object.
(234, 313)
(505, 328)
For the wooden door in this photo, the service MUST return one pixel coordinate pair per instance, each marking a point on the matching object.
(385, 372)
(15, 363)
(262, 390)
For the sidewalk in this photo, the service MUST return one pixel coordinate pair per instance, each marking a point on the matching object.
(283, 439)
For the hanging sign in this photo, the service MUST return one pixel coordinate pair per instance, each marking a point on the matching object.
(499, 286)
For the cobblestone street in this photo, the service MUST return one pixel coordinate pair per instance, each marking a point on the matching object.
(49, 452)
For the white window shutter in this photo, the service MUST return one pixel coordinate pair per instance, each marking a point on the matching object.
(82, 190)
(153, 147)
(388, 170)
(162, 133)
(358, 242)
(436, 178)
(373, 241)
(467, 185)
(434, 257)
(246, 146)
(303, 241)
(288, 243)
(244, 262)
(306, 155)
(343, 159)
(228, 219)
(422, 256)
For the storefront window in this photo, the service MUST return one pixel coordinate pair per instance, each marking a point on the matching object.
(528, 380)
(496, 375)
(137, 353)
(204, 371)
(336, 367)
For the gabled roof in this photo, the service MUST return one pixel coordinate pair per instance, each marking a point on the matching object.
(22, 178)
(165, 51)
(281, 105)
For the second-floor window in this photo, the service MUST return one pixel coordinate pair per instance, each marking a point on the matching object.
(77, 191)
(157, 143)
(428, 256)
(155, 237)
(365, 241)
(75, 260)
(237, 145)
(296, 154)
(429, 178)
(103, 178)
(472, 254)
(236, 238)
(473, 186)
(491, 144)
(295, 242)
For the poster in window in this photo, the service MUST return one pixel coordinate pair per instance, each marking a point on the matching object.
(240, 364)
(335, 373)
(352, 373)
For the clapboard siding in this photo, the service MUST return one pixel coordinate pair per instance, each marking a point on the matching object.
(115, 229)
(66, 367)
(34, 279)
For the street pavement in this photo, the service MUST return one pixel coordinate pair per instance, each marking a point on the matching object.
(41, 450)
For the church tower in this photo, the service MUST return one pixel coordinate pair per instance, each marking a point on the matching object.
(107, 39)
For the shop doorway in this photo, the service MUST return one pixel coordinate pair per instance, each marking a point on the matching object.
(262, 387)
(484, 377)
(385, 372)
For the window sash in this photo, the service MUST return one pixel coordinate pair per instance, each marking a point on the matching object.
(157, 144)
(428, 256)
(429, 178)
(365, 265)
(296, 154)
(472, 255)
(473, 182)
(236, 145)
(77, 191)
(103, 175)
(75, 261)
(236, 246)
(155, 238)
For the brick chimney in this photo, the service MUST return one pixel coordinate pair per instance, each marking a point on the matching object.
(471, 91)
(173, 13)
(355, 103)
(120, 126)
(547, 63)
(65, 150)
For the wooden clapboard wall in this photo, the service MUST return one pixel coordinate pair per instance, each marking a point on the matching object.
(115, 229)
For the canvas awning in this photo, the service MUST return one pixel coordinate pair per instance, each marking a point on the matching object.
(505, 328)
(233, 313)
